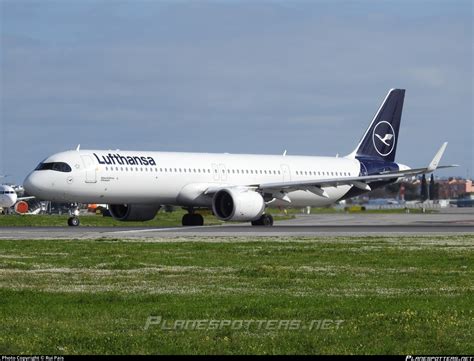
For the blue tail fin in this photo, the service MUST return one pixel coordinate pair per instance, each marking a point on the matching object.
(380, 139)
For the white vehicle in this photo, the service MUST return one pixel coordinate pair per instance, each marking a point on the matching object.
(9, 198)
(237, 187)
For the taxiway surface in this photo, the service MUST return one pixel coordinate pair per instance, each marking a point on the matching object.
(454, 221)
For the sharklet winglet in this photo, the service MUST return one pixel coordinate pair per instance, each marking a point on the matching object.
(435, 162)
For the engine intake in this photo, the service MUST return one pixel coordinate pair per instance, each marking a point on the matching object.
(238, 205)
(133, 212)
(21, 207)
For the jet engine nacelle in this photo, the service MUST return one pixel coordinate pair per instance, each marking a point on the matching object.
(238, 205)
(21, 207)
(133, 212)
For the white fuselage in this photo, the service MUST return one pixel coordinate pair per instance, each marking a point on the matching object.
(8, 196)
(135, 177)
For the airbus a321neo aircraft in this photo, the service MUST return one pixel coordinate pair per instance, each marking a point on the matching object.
(237, 187)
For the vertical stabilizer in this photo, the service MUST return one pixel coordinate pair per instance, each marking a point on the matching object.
(380, 139)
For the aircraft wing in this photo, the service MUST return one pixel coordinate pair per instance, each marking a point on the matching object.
(316, 186)
(362, 182)
(280, 189)
(25, 198)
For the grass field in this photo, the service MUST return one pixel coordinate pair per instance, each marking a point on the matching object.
(409, 295)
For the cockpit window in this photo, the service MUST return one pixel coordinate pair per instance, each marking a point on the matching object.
(56, 166)
(61, 167)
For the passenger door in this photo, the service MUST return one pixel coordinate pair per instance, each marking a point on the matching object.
(223, 172)
(285, 171)
(215, 171)
(91, 171)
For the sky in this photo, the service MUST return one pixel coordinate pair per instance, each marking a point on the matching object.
(233, 76)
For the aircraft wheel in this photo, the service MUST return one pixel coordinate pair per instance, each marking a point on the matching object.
(264, 220)
(198, 219)
(268, 220)
(186, 220)
(73, 222)
(192, 219)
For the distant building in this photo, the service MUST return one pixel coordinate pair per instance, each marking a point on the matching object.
(453, 188)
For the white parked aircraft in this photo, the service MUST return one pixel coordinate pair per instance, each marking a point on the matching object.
(237, 187)
(9, 198)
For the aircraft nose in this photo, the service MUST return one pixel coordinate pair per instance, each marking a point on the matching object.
(32, 184)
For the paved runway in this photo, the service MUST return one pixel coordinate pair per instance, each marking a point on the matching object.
(456, 222)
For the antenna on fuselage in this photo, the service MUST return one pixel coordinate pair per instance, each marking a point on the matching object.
(284, 153)
(78, 148)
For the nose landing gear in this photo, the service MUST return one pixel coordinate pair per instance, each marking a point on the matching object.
(73, 220)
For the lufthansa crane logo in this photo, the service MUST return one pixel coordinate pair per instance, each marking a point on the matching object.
(383, 138)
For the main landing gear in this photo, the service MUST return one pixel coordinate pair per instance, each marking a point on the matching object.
(73, 220)
(192, 219)
(264, 220)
